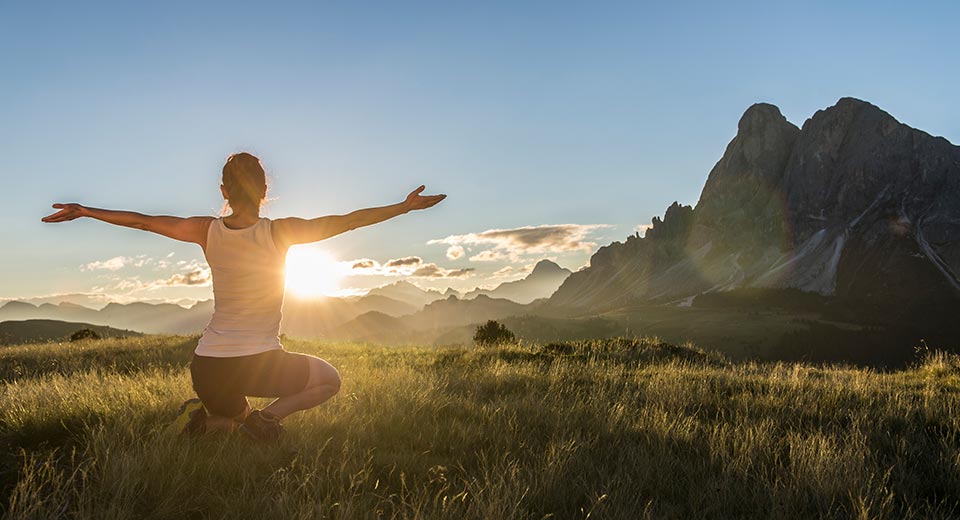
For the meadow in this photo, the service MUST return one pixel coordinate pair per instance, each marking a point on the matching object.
(620, 428)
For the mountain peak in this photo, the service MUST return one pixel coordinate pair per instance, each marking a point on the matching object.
(17, 304)
(546, 266)
(758, 116)
(847, 112)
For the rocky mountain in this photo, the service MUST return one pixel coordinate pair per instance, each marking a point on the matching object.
(854, 204)
(543, 281)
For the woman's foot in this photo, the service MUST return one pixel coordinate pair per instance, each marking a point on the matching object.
(262, 426)
(191, 418)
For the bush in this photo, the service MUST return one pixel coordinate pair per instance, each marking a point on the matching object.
(493, 333)
(83, 334)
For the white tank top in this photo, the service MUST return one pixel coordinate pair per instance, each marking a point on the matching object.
(248, 281)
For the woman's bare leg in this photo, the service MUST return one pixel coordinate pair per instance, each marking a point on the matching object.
(323, 383)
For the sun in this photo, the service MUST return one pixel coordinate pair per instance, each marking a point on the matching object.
(312, 272)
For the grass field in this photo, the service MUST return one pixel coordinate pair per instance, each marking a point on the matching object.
(604, 429)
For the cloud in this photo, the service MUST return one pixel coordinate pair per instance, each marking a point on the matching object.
(365, 263)
(370, 267)
(142, 260)
(510, 270)
(394, 267)
(192, 274)
(197, 277)
(111, 264)
(455, 252)
(509, 243)
(493, 255)
(403, 262)
(407, 266)
(119, 262)
(433, 271)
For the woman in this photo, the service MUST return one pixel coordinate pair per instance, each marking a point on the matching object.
(240, 354)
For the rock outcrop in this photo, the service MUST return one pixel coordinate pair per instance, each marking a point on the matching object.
(853, 204)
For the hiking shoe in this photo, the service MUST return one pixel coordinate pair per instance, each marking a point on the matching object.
(261, 426)
(191, 418)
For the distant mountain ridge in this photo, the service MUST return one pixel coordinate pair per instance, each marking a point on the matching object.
(38, 331)
(436, 317)
(300, 317)
(407, 292)
(853, 204)
(543, 281)
(90, 301)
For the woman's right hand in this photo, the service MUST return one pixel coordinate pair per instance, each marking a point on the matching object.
(67, 212)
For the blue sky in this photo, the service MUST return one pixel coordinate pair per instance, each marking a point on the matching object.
(525, 114)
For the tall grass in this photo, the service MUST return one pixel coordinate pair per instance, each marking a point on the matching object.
(603, 429)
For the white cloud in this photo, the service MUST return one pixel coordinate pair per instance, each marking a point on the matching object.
(119, 262)
(493, 255)
(455, 252)
(509, 243)
(195, 277)
(192, 274)
(407, 266)
(509, 271)
(142, 260)
(112, 264)
(433, 271)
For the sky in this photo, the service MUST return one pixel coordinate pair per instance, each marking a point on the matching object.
(553, 127)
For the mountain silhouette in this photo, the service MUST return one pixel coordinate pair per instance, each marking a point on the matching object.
(313, 317)
(854, 204)
(37, 331)
(409, 293)
(545, 278)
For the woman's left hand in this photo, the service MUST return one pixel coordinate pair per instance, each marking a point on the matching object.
(416, 201)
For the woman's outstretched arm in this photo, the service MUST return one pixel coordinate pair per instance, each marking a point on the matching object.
(190, 229)
(293, 231)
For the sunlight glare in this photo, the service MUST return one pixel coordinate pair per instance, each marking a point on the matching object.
(312, 272)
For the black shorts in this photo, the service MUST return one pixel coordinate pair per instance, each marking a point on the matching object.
(224, 383)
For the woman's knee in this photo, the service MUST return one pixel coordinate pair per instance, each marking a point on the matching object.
(334, 381)
(324, 374)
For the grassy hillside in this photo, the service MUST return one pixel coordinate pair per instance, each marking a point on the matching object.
(35, 331)
(605, 429)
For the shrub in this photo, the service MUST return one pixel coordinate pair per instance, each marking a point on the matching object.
(83, 334)
(493, 333)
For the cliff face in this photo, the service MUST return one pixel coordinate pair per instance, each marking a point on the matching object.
(854, 204)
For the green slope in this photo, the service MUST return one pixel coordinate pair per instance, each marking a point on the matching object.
(36, 331)
(605, 429)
